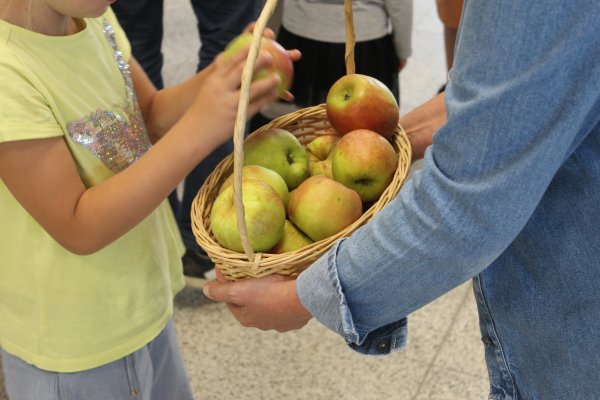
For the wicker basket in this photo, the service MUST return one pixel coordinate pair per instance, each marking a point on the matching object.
(305, 124)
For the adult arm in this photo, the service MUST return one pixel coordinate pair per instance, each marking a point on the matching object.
(421, 123)
(511, 126)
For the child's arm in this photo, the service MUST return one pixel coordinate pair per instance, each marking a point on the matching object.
(42, 175)
(163, 108)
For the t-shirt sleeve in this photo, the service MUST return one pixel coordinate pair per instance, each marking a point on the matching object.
(24, 111)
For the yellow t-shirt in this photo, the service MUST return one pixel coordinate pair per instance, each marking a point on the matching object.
(60, 311)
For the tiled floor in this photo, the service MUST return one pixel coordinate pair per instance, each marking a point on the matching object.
(444, 356)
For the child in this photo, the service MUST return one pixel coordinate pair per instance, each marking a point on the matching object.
(90, 256)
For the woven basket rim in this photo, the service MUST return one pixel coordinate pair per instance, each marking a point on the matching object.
(290, 263)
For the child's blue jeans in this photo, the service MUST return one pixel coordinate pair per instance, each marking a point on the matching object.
(154, 372)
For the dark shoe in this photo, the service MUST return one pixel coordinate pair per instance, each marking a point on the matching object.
(196, 264)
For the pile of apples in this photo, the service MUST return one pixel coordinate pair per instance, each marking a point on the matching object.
(295, 194)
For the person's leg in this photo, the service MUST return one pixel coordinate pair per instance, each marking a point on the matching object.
(218, 23)
(154, 372)
(142, 21)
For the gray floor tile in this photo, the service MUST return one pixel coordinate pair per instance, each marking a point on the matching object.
(227, 361)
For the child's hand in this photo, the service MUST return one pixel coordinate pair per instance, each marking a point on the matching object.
(268, 32)
(295, 54)
(216, 104)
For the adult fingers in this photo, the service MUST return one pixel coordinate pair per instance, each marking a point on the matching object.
(218, 291)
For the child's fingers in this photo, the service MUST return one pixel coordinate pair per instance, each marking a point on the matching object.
(295, 54)
(263, 92)
(268, 32)
(287, 96)
(233, 73)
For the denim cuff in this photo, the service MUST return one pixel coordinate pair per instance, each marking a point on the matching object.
(320, 292)
(320, 295)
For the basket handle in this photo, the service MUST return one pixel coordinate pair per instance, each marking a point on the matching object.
(350, 38)
(240, 122)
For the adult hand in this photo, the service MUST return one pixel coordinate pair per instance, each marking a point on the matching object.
(267, 303)
(421, 124)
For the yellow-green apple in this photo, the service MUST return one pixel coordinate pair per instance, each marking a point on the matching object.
(319, 154)
(365, 162)
(358, 101)
(262, 174)
(292, 239)
(321, 207)
(264, 215)
(281, 61)
(280, 151)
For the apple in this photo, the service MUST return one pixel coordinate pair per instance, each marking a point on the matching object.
(281, 61)
(292, 239)
(358, 101)
(364, 161)
(262, 174)
(321, 207)
(280, 151)
(319, 155)
(264, 214)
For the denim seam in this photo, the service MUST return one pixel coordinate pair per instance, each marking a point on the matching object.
(491, 328)
(348, 329)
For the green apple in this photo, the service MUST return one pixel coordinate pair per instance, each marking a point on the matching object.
(292, 239)
(365, 162)
(358, 101)
(262, 174)
(321, 207)
(281, 62)
(280, 151)
(319, 154)
(264, 215)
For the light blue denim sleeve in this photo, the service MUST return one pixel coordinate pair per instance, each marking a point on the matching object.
(519, 102)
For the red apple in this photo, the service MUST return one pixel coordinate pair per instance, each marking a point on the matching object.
(281, 64)
(321, 207)
(358, 101)
(364, 161)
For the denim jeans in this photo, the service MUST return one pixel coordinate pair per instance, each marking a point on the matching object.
(154, 372)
